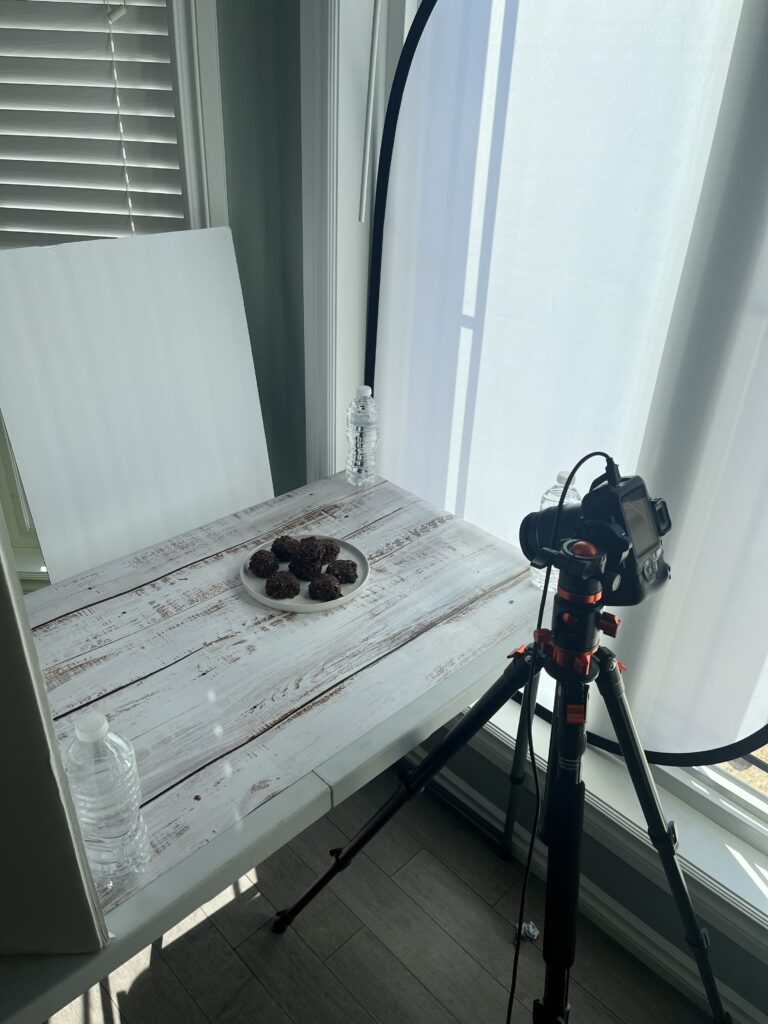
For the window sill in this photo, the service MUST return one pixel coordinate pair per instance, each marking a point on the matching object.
(723, 800)
(728, 874)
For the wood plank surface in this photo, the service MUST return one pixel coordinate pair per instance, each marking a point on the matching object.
(267, 519)
(228, 702)
(199, 807)
(101, 621)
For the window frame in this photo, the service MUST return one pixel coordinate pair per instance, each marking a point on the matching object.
(193, 34)
(729, 803)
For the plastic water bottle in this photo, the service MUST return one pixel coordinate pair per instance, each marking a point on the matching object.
(362, 437)
(550, 499)
(104, 781)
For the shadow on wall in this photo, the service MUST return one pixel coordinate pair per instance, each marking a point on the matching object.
(259, 57)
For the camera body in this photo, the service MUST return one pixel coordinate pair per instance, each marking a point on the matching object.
(619, 518)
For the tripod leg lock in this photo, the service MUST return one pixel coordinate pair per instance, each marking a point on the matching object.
(666, 839)
(701, 941)
(341, 861)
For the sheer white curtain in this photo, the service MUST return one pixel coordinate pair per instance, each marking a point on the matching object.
(547, 189)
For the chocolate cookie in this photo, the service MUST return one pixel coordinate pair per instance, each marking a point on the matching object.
(310, 549)
(285, 548)
(263, 563)
(305, 569)
(344, 569)
(325, 588)
(282, 585)
(330, 551)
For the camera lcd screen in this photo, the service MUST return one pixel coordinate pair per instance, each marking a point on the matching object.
(640, 522)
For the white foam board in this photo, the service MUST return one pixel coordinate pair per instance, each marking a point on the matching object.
(128, 390)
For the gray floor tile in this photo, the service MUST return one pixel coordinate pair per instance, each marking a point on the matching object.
(146, 990)
(299, 980)
(93, 1007)
(239, 910)
(433, 957)
(464, 915)
(216, 977)
(383, 984)
(486, 935)
(624, 984)
(470, 855)
(418, 930)
(326, 923)
(615, 978)
(394, 845)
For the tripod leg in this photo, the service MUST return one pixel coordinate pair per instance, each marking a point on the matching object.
(519, 760)
(564, 831)
(661, 832)
(513, 679)
(546, 801)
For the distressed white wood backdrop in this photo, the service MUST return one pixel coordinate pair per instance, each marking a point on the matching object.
(229, 703)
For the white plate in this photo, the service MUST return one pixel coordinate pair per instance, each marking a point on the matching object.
(255, 585)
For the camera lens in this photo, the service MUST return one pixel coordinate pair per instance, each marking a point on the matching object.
(536, 532)
(536, 529)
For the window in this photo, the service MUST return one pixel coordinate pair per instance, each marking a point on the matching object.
(575, 257)
(88, 140)
(750, 770)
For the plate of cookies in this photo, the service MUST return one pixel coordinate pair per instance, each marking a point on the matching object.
(305, 574)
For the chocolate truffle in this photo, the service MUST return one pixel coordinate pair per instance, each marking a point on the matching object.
(282, 585)
(285, 548)
(305, 569)
(344, 569)
(263, 564)
(330, 551)
(325, 588)
(310, 549)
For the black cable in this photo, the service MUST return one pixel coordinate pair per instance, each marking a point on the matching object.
(386, 150)
(537, 788)
(534, 829)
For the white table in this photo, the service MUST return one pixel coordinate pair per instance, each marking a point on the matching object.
(250, 723)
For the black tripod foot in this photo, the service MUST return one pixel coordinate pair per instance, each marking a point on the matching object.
(281, 921)
(541, 1015)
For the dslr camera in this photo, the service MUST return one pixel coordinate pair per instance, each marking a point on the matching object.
(621, 521)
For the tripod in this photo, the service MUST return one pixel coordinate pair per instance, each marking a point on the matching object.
(570, 652)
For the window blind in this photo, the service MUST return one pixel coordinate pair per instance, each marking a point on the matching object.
(88, 141)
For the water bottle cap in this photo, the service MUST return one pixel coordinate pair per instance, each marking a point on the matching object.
(91, 727)
(363, 391)
(562, 476)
